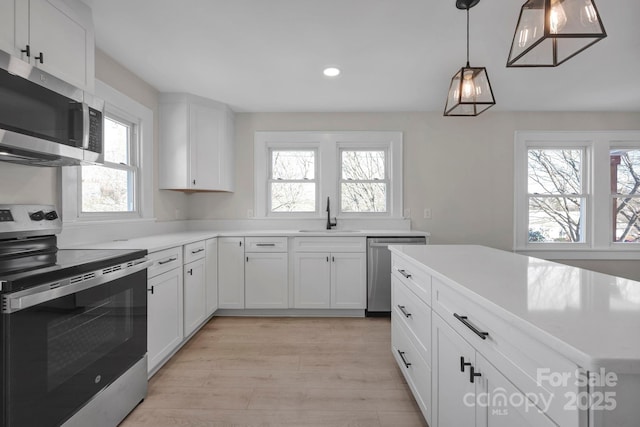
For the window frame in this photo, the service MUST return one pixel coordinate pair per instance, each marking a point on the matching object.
(123, 107)
(340, 180)
(270, 180)
(133, 123)
(328, 145)
(596, 187)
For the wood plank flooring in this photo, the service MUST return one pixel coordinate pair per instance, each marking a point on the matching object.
(304, 372)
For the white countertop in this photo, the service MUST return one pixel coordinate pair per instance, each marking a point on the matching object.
(159, 242)
(591, 318)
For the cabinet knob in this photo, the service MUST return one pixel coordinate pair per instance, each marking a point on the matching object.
(190, 271)
(151, 290)
(40, 58)
(27, 51)
(194, 182)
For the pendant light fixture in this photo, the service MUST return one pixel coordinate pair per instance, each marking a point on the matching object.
(549, 32)
(470, 91)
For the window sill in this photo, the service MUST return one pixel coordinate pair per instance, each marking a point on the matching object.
(583, 254)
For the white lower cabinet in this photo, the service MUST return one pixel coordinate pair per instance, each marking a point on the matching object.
(266, 282)
(330, 279)
(312, 276)
(211, 276)
(194, 295)
(231, 272)
(164, 306)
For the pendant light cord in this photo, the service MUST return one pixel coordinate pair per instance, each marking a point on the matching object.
(467, 37)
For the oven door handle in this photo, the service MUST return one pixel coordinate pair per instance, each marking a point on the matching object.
(18, 301)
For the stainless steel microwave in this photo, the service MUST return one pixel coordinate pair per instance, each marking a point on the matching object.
(44, 121)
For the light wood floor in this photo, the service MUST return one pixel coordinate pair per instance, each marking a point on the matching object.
(281, 372)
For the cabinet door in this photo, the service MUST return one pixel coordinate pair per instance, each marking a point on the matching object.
(194, 295)
(227, 154)
(453, 395)
(312, 275)
(7, 26)
(348, 280)
(205, 139)
(266, 284)
(502, 404)
(58, 32)
(230, 272)
(164, 321)
(211, 276)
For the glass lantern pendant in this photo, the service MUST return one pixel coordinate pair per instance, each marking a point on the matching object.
(549, 32)
(470, 91)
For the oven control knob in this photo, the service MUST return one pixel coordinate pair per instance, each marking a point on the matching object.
(50, 216)
(37, 216)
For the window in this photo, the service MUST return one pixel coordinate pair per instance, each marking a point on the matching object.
(292, 181)
(122, 188)
(361, 172)
(112, 187)
(577, 190)
(363, 181)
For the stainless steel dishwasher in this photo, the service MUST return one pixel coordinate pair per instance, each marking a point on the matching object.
(379, 271)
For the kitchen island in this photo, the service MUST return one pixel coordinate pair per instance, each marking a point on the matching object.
(515, 340)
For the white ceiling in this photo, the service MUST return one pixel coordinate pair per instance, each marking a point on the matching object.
(396, 55)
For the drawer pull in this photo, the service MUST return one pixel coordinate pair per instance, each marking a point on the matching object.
(406, 364)
(266, 244)
(402, 309)
(167, 261)
(405, 274)
(468, 324)
(463, 364)
(473, 374)
(197, 251)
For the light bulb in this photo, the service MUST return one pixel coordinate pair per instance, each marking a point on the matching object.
(469, 89)
(588, 13)
(557, 17)
(529, 29)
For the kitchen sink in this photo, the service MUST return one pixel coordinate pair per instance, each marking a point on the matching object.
(322, 230)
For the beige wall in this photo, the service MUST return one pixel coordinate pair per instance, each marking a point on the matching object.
(461, 168)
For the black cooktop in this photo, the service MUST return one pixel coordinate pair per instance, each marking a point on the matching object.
(59, 264)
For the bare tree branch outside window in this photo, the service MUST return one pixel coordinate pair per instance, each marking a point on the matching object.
(556, 197)
(364, 183)
(293, 181)
(625, 188)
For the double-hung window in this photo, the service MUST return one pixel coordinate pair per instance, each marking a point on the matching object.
(111, 187)
(577, 190)
(364, 181)
(293, 185)
(359, 172)
(122, 187)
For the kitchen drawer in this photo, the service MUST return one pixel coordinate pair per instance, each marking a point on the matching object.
(165, 260)
(194, 251)
(265, 244)
(413, 276)
(329, 244)
(414, 313)
(414, 368)
(530, 365)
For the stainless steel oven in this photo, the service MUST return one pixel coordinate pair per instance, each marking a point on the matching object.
(74, 333)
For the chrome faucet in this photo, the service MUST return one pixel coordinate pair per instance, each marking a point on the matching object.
(329, 223)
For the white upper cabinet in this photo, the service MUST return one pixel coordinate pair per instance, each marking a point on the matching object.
(7, 25)
(196, 144)
(56, 36)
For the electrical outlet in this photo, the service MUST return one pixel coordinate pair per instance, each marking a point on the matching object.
(407, 213)
(427, 213)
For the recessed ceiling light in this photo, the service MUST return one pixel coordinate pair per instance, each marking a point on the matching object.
(331, 72)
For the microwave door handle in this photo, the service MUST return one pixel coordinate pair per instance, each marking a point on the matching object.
(85, 125)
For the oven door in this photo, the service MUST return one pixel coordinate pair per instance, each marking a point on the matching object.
(59, 353)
